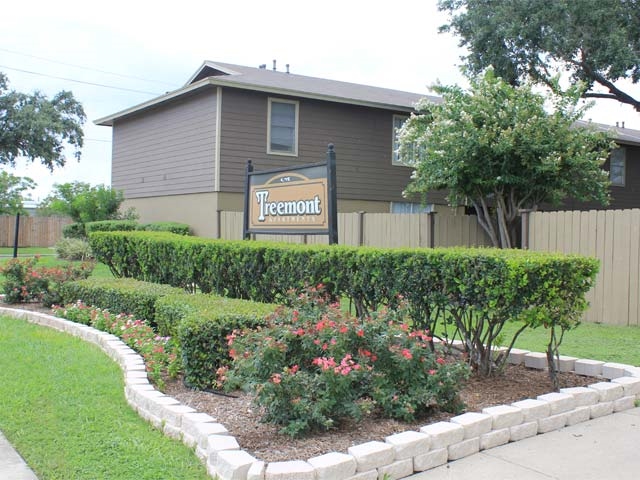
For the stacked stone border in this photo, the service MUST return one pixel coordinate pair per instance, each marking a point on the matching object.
(400, 455)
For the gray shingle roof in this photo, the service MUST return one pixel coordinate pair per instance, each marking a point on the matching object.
(259, 79)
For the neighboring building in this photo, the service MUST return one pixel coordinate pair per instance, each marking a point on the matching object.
(182, 156)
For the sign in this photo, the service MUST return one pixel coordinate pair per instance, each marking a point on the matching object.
(296, 200)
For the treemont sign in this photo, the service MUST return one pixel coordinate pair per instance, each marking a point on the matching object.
(296, 200)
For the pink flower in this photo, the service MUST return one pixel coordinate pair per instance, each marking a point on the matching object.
(406, 353)
(432, 372)
(276, 378)
(440, 361)
(360, 333)
(299, 332)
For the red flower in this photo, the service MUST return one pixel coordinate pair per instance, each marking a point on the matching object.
(406, 353)
(440, 361)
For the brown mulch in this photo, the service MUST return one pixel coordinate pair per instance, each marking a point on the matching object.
(262, 440)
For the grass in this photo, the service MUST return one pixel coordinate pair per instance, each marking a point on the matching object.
(27, 251)
(608, 343)
(62, 406)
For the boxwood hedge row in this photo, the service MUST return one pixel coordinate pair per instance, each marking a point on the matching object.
(475, 290)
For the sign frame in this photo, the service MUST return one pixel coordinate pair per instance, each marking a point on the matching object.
(326, 181)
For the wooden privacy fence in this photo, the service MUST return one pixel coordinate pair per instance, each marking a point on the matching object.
(33, 231)
(611, 236)
(381, 230)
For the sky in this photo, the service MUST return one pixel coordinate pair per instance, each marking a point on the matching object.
(127, 52)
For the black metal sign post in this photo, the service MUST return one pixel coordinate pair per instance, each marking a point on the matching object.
(333, 202)
(298, 200)
(16, 236)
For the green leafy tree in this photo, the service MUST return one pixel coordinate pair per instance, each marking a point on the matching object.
(11, 192)
(83, 202)
(34, 127)
(496, 147)
(596, 41)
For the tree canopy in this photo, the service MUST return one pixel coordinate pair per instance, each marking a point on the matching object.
(11, 190)
(496, 148)
(38, 128)
(83, 202)
(596, 42)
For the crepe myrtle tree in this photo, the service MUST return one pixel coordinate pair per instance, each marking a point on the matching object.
(497, 148)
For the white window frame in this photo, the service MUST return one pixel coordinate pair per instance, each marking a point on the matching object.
(294, 153)
(622, 166)
(395, 156)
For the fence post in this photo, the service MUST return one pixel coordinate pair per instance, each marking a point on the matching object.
(360, 228)
(525, 229)
(432, 229)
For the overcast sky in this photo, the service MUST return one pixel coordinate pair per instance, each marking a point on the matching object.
(145, 48)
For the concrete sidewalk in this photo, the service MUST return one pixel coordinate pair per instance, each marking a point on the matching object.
(12, 466)
(606, 448)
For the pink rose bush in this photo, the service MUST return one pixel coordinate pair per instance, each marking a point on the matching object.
(314, 366)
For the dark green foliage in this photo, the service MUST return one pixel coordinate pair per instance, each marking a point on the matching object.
(111, 226)
(74, 230)
(173, 227)
(118, 295)
(596, 42)
(205, 323)
(35, 127)
(83, 202)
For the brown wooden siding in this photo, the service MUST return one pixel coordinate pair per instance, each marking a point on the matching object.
(167, 151)
(361, 135)
(621, 197)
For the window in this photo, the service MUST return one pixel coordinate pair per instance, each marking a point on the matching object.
(413, 153)
(282, 134)
(398, 121)
(617, 167)
(408, 207)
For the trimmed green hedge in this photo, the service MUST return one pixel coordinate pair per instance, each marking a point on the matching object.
(74, 230)
(202, 324)
(123, 295)
(474, 290)
(111, 226)
(173, 227)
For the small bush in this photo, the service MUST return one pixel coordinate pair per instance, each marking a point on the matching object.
(313, 366)
(26, 282)
(118, 295)
(74, 230)
(173, 227)
(73, 249)
(161, 354)
(203, 327)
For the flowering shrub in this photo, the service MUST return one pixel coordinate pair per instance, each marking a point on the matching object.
(26, 282)
(314, 365)
(161, 354)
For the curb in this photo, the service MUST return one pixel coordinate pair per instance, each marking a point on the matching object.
(400, 455)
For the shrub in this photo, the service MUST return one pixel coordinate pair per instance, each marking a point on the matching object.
(313, 366)
(74, 230)
(474, 290)
(25, 282)
(73, 249)
(173, 227)
(111, 226)
(206, 321)
(118, 295)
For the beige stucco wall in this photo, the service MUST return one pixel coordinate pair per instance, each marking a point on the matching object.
(198, 210)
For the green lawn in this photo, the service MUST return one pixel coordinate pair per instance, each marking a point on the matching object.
(27, 251)
(62, 406)
(594, 341)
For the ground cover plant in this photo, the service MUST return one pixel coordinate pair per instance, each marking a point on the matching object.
(62, 406)
(313, 366)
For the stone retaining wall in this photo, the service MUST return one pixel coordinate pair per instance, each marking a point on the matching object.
(400, 455)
